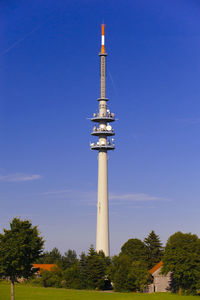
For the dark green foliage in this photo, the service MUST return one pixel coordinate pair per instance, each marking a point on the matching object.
(154, 249)
(52, 257)
(20, 247)
(107, 259)
(182, 258)
(52, 278)
(128, 275)
(55, 257)
(119, 273)
(87, 273)
(96, 270)
(135, 249)
(129, 270)
(83, 271)
(69, 259)
(65, 275)
(140, 275)
(71, 277)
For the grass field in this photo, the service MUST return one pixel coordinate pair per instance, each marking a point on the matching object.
(24, 292)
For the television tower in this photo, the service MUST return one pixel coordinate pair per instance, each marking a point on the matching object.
(103, 130)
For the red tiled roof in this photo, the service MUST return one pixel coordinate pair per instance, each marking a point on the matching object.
(47, 267)
(156, 267)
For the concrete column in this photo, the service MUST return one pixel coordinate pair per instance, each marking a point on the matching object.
(102, 240)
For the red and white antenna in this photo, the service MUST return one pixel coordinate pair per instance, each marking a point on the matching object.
(103, 38)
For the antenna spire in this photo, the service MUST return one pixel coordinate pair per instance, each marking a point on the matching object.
(103, 38)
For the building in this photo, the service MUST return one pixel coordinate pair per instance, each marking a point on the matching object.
(43, 267)
(104, 131)
(161, 282)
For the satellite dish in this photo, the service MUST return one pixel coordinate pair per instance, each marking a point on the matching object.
(108, 127)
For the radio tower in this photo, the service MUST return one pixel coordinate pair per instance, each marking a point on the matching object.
(103, 130)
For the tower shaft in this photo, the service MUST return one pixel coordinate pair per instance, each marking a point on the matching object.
(102, 237)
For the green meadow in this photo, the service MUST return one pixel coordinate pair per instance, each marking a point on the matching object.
(25, 292)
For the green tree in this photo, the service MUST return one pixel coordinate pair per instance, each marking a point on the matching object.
(119, 271)
(52, 278)
(139, 276)
(154, 249)
(87, 273)
(182, 258)
(69, 259)
(83, 270)
(20, 246)
(128, 275)
(50, 257)
(72, 277)
(135, 249)
(96, 269)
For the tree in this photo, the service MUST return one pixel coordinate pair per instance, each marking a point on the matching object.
(154, 249)
(87, 273)
(83, 270)
(135, 249)
(20, 246)
(52, 278)
(120, 269)
(182, 258)
(96, 269)
(72, 277)
(139, 276)
(69, 259)
(52, 257)
(128, 275)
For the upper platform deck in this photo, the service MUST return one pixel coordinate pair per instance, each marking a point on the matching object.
(107, 117)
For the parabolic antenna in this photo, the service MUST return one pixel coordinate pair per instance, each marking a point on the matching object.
(108, 127)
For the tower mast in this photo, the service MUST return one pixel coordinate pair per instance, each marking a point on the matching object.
(103, 130)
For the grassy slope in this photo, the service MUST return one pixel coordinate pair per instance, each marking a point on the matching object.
(36, 293)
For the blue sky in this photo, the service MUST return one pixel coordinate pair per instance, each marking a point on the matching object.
(49, 85)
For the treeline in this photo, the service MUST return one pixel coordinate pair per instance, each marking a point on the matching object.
(87, 272)
(21, 246)
(128, 271)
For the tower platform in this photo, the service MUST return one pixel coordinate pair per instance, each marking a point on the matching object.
(99, 132)
(106, 118)
(94, 146)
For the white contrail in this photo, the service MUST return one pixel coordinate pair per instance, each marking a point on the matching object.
(19, 41)
(24, 37)
(114, 86)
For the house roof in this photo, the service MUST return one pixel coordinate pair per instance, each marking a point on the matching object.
(156, 267)
(47, 267)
